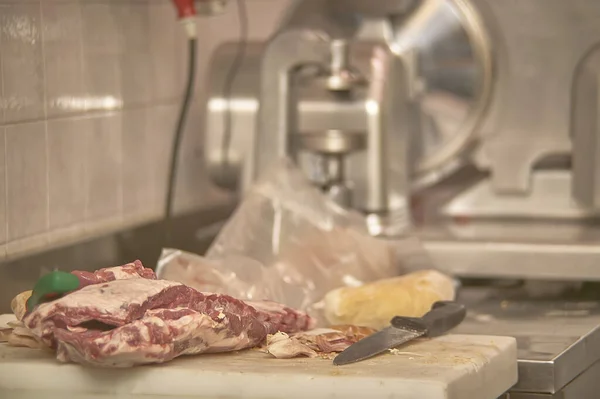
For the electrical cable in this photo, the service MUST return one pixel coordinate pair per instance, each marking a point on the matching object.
(187, 10)
(175, 150)
(230, 79)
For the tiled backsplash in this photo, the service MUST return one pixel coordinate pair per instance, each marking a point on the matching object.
(90, 92)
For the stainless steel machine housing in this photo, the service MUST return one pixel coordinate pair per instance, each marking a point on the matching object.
(477, 118)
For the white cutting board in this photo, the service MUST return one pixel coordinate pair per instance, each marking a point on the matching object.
(448, 367)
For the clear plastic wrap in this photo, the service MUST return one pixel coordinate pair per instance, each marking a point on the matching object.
(289, 243)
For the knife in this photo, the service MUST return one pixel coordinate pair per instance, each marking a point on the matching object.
(443, 316)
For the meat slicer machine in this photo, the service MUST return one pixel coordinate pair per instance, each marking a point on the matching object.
(474, 122)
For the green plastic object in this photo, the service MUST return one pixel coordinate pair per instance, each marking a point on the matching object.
(52, 286)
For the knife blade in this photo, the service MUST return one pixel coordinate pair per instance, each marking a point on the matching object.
(443, 316)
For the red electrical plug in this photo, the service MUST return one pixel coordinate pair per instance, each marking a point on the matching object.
(186, 12)
(185, 8)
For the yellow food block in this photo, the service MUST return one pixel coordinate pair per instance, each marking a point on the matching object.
(375, 304)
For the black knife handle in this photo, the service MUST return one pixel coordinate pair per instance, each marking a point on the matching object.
(443, 317)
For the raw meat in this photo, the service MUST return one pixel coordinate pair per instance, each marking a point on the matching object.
(140, 320)
(128, 271)
(323, 342)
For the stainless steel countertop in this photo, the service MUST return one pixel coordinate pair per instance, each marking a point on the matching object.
(557, 339)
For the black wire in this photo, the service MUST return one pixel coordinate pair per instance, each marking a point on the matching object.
(175, 150)
(227, 88)
(230, 79)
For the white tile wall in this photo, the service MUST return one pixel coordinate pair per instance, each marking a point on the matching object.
(67, 171)
(89, 95)
(26, 180)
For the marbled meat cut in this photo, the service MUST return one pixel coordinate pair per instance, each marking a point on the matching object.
(131, 318)
(130, 270)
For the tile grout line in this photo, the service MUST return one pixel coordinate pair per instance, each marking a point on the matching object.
(86, 137)
(5, 140)
(6, 196)
(45, 107)
(121, 120)
(98, 112)
(154, 23)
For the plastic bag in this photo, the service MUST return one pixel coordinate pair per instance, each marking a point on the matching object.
(289, 243)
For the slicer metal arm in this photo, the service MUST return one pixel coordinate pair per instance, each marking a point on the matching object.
(387, 136)
(276, 114)
(585, 131)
